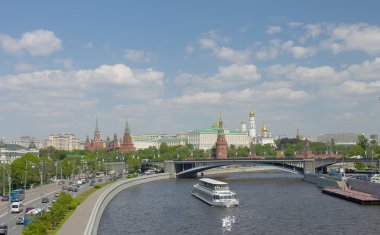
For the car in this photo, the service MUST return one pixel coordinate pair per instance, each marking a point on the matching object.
(28, 209)
(20, 220)
(3, 229)
(48, 209)
(64, 187)
(75, 189)
(56, 194)
(54, 200)
(45, 200)
(17, 207)
(91, 184)
(99, 180)
(5, 198)
(69, 189)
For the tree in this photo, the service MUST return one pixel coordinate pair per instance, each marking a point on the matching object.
(362, 142)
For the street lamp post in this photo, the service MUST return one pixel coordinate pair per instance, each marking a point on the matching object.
(26, 170)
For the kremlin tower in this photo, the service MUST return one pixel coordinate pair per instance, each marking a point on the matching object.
(126, 146)
(252, 126)
(97, 143)
(221, 143)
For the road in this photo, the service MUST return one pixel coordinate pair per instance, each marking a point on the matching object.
(33, 198)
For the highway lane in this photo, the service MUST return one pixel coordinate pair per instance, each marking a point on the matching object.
(33, 199)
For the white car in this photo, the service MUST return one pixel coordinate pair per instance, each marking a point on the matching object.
(17, 207)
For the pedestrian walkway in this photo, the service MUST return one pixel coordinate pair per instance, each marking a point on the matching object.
(77, 222)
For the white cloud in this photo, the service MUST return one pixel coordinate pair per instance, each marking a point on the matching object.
(222, 52)
(23, 67)
(368, 70)
(273, 29)
(276, 47)
(38, 43)
(207, 43)
(138, 56)
(234, 75)
(359, 88)
(313, 30)
(270, 51)
(133, 83)
(198, 98)
(189, 49)
(232, 55)
(302, 52)
(360, 37)
(66, 63)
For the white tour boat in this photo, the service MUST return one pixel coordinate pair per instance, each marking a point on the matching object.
(215, 193)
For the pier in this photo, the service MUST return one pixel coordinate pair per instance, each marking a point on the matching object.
(352, 196)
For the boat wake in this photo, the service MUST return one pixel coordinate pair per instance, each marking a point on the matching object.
(227, 223)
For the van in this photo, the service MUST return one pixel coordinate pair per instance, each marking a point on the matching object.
(17, 207)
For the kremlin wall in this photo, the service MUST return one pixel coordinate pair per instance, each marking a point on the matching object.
(204, 138)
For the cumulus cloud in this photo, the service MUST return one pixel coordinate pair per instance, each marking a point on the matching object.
(197, 98)
(37, 43)
(360, 37)
(234, 75)
(117, 79)
(273, 29)
(24, 67)
(221, 52)
(231, 76)
(277, 47)
(138, 56)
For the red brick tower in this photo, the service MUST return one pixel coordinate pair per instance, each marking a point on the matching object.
(306, 153)
(97, 143)
(221, 143)
(126, 146)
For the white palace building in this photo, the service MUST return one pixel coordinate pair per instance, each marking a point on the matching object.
(206, 138)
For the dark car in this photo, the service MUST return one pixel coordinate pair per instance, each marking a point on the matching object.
(91, 184)
(69, 189)
(99, 180)
(20, 220)
(45, 200)
(3, 229)
(64, 187)
(5, 198)
(75, 189)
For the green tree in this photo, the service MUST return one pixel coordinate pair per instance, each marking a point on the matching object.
(362, 142)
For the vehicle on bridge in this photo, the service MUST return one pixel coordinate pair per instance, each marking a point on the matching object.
(17, 195)
(3, 229)
(215, 193)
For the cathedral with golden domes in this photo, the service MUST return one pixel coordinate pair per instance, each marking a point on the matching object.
(263, 137)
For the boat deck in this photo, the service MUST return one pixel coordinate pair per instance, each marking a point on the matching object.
(353, 196)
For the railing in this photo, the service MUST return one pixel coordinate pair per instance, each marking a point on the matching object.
(109, 193)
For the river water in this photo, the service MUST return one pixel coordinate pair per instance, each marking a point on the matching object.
(271, 202)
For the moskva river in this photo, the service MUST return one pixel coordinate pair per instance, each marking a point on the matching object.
(271, 202)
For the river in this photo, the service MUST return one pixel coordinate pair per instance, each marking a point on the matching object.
(271, 202)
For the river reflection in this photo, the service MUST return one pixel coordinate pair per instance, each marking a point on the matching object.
(271, 202)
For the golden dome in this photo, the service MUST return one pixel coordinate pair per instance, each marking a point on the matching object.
(264, 129)
(251, 114)
(242, 122)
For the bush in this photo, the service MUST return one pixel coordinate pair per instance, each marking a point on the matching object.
(97, 186)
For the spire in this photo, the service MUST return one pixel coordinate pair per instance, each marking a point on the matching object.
(97, 125)
(126, 127)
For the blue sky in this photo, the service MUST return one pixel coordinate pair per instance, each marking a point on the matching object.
(172, 66)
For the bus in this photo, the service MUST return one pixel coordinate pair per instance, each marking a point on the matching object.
(32, 215)
(17, 195)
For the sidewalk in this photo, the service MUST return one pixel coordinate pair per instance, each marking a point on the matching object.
(77, 222)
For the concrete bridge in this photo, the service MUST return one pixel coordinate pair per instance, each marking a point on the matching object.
(190, 168)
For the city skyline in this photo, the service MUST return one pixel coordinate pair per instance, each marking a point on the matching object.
(174, 66)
